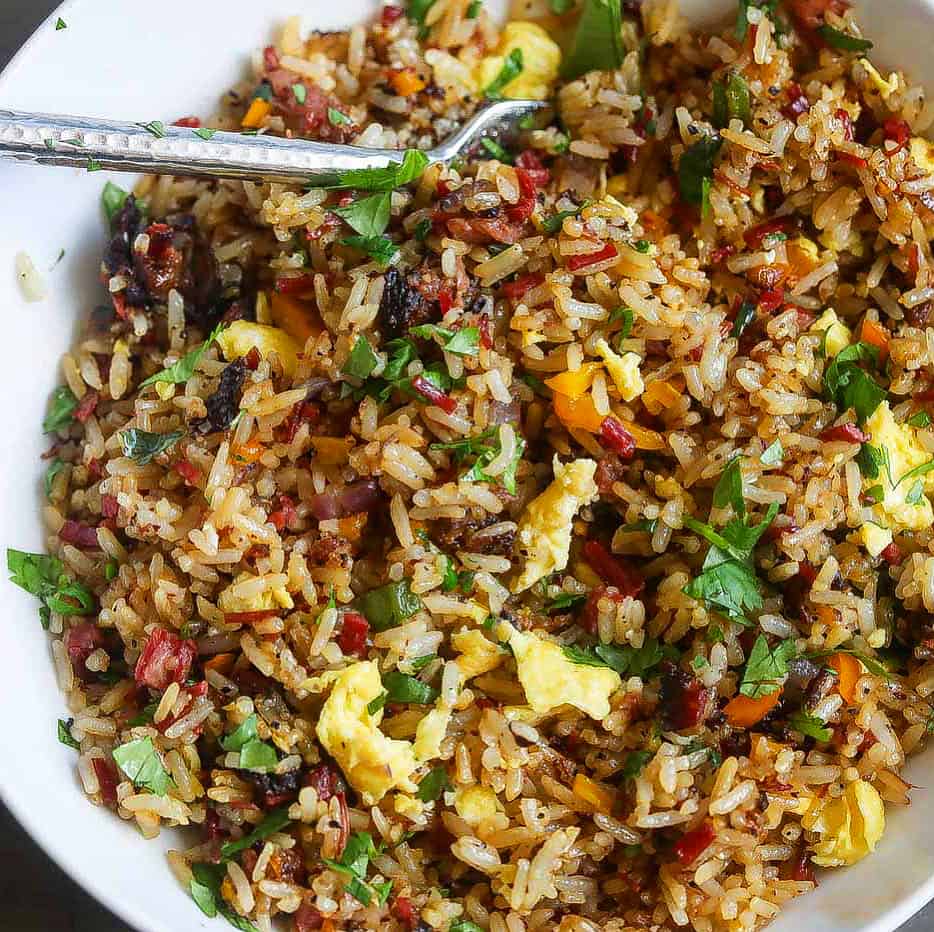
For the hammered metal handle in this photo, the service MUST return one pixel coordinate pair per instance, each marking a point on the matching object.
(81, 142)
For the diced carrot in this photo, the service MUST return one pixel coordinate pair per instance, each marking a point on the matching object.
(660, 395)
(744, 711)
(848, 670)
(645, 439)
(299, 319)
(600, 797)
(220, 663)
(873, 332)
(259, 110)
(576, 383)
(578, 413)
(352, 526)
(826, 615)
(248, 452)
(331, 451)
(405, 82)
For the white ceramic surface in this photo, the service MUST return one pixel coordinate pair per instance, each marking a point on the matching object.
(139, 60)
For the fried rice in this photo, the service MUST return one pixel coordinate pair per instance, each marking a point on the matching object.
(539, 541)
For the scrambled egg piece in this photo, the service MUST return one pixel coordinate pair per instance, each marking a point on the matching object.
(476, 804)
(903, 506)
(837, 335)
(874, 538)
(242, 335)
(541, 59)
(230, 600)
(477, 654)
(551, 680)
(849, 826)
(922, 151)
(624, 370)
(885, 88)
(430, 733)
(450, 72)
(546, 526)
(372, 763)
(408, 806)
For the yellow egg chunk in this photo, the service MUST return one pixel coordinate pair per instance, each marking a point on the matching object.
(849, 826)
(430, 733)
(541, 60)
(478, 654)
(545, 528)
(476, 804)
(408, 806)
(885, 87)
(372, 763)
(922, 151)
(904, 505)
(242, 335)
(624, 370)
(837, 336)
(874, 538)
(243, 595)
(551, 680)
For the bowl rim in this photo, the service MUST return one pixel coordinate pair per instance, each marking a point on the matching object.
(67, 857)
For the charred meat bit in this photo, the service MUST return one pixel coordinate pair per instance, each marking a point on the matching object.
(400, 306)
(224, 404)
(684, 702)
(275, 789)
(165, 659)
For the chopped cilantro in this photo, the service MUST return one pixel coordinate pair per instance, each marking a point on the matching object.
(336, 118)
(512, 68)
(44, 577)
(143, 445)
(921, 419)
(744, 317)
(55, 467)
(849, 386)
(496, 151)
(64, 734)
(277, 820)
(433, 785)
(408, 689)
(60, 24)
(766, 668)
(141, 763)
(843, 41)
(205, 133)
(362, 359)
(463, 342)
(392, 176)
(379, 248)
(809, 725)
(61, 410)
(635, 763)
(695, 171)
(598, 41)
(182, 370)
(369, 216)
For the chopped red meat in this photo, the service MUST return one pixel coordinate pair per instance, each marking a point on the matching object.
(809, 14)
(190, 122)
(899, 132)
(690, 846)
(285, 514)
(771, 300)
(323, 779)
(391, 14)
(532, 165)
(354, 631)
(848, 433)
(755, 236)
(616, 438)
(524, 207)
(188, 471)
(613, 569)
(307, 918)
(802, 869)
(107, 777)
(80, 642)
(110, 507)
(721, 253)
(857, 161)
(165, 659)
(484, 229)
(433, 395)
(892, 554)
(79, 535)
(798, 102)
(576, 263)
(404, 911)
(515, 290)
(844, 118)
(87, 405)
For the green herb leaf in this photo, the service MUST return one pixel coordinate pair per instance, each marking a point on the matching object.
(729, 488)
(921, 419)
(300, 92)
(369, 216)
(394, 176)
(695, 171)
(155, 127)
(809, 725)
(624, 659)
(142, 764)
(389, 605)
(205, 132)
(203, 896)
(94, 166)
(336, 118)
(55, 467)
(362, 359)
(374, 705)
(744, 317)
(507, 478)
(416, 11)
(143, 446)
(380, 248)
(598, 41)
(870, 460)
(635, 763)
(917, 472)
(182, 370)
(468, 446)
(433, 784)
(463, 342)
(554, 224)
(408, 689)
(44, 577)
(583, 656)
(113, 198)
(731, 101)
(512, 68)
(244, 732)
(766, 669)
(849, 386)
(61, 410)
(422, 229)
(64, 734)
(385, 888)
(60, 24)
(626, 316)
(277, 820)
(496, 151)
(259, 756)
(842, 40)
(729, 587)
(773, 454)
(560, 7)
(464, 925)
(565, 601)
(354, 862)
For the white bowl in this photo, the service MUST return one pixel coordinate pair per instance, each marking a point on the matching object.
(141, 61)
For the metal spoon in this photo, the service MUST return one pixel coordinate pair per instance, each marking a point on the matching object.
(81, 142)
